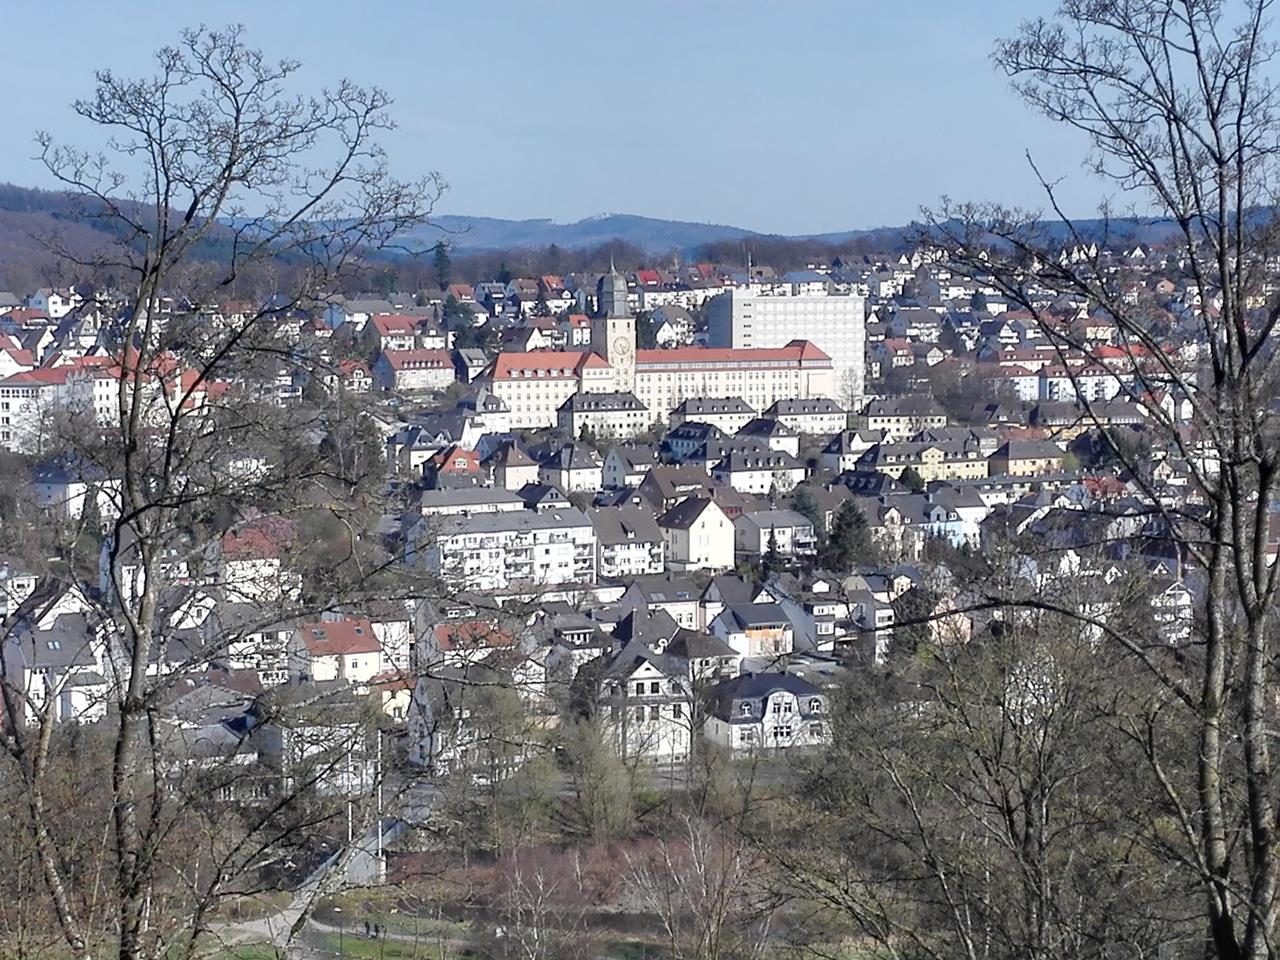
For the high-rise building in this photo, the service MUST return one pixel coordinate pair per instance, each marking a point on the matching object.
(836, 324)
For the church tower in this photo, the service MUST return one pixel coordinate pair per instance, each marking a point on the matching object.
(613, 331)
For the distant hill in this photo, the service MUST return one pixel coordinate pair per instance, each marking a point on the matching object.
(647, 233)
(28, 215)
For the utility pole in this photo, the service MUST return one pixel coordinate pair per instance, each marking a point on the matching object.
(382, 861)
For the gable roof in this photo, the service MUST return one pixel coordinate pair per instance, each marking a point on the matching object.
(336, 638)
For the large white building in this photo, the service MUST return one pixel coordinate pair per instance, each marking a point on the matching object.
(535, 385)
(520, 548)
(836, 324)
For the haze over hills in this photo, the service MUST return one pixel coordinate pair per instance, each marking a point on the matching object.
(28, 214)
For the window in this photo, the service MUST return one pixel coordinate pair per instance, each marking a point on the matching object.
(655, 687)
(815, 730)
(639, 688)
(815, 705)
(677, 710)
(782, 732)
(655, 712)
(744, 709)
(640, 714)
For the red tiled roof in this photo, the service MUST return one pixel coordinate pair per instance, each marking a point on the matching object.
(470, 634)
(259, 538)
(548, 364)
(393, 324)
(796, 351)
(335, 638)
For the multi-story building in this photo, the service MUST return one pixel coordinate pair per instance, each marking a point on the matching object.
(523, 548)
(902, 417)
(835, 324)
(728, 414)
(628, 542)
(604, 415)
(761, 376)
(767, 711)
(413, 370)
(949, 460)
(535, 385)
(819, 416)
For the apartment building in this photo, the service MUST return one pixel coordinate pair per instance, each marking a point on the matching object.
(629, 542)
(836, 324)
(521, 548)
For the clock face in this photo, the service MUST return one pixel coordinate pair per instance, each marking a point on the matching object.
(622, 346)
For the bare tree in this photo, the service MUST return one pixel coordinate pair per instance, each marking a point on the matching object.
(710, 892)
(213, 168)
(1177, 101)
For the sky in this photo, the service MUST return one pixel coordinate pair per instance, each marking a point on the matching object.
(786, 116)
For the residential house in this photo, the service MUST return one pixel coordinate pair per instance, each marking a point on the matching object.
(772, 434)
(603, 415)
(1026, 458)
(571, 467)
(497, 551)
(698, 536)
(759, 472)
(728, 414)
(644, 700)
(900, 417)
(511, 466)
(843, 450)
(413, 371)
(759, 631)
(767, 711)
(789, 534)
(346, 649)
(627, 466)
(629, 542)
(819, 416)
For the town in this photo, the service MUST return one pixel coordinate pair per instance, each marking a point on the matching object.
(381, 581)
(702, 535)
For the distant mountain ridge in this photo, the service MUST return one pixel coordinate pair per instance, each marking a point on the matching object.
(26, 213)
(655, 235)
(649, 233)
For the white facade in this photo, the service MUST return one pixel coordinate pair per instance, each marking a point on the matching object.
(520, 548)
(836, 324)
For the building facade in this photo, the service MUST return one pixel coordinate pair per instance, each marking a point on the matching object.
(836, 324)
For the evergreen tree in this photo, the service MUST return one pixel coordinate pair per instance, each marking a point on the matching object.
(850, 541)
(442, 264)
(912, 480)
(772, 561)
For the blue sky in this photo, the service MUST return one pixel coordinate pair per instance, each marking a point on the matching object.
(793, 116)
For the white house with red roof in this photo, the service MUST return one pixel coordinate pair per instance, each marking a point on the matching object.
(340, 649)
(252, 561)
(392, 331)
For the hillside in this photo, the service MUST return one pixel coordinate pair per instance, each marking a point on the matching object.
(30, 218)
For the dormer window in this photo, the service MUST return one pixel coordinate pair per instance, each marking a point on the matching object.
(815, 705)
(744, 709)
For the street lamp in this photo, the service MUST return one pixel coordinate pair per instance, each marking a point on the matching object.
(341, 951)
